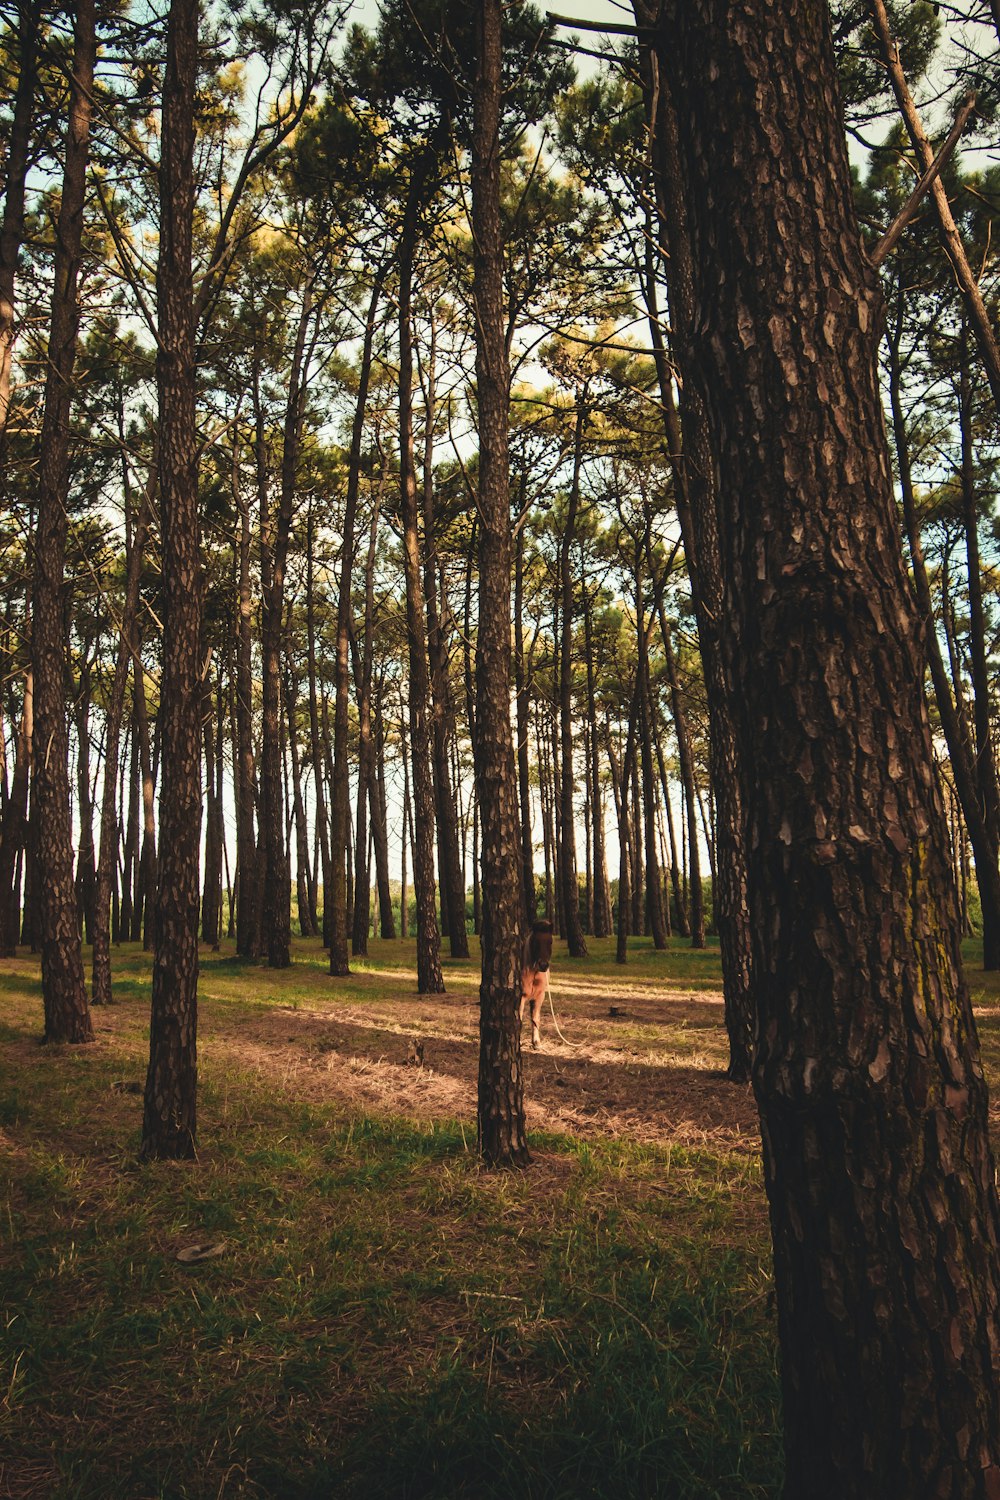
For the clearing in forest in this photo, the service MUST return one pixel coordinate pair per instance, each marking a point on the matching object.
(382, 1315)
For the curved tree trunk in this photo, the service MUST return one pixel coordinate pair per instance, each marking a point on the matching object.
(880, 1179)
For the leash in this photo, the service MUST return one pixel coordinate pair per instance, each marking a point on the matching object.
(575, 1045)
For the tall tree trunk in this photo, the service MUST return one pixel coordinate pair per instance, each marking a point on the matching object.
(686, 762)
(211, 892)
(12, 226)
(67, 1017)
(86, 861)
(169, 1120)
(276, 912)
(404, 895)
(14, 831)
(986, 767)
(570, 891)
(247, 933)
(880, 1178)
(627, 857)
(340, 811)
(379, 818)
(368, 772)
(654, 894)
(130, 860)
(429, 977)
(145, 905)
(680, 905)
(602, 898)
(101, 990)
(305, 895)
(315, 739)
(695, 486)
(502, 1132)
(960, 753)
(451, 883)
(522, 688)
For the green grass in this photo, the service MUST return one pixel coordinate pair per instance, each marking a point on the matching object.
(387, 1318)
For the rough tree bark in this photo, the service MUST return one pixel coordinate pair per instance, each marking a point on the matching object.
(879, 1174)
(67, 1017)
(169, 1120)
(502, 1132)
(690, 456)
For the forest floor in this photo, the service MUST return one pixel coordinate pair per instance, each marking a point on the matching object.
(383, 1316)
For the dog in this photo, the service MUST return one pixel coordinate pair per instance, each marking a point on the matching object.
(535, 963)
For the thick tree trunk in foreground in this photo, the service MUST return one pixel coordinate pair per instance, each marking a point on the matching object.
(695, 483)
(873, 1106)
(502, 1134)
(67, 1017)
(168, 1129)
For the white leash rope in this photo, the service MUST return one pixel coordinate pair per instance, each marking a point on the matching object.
(575, 1045)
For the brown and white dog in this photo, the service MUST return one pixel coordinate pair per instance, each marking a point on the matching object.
(535, 963)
